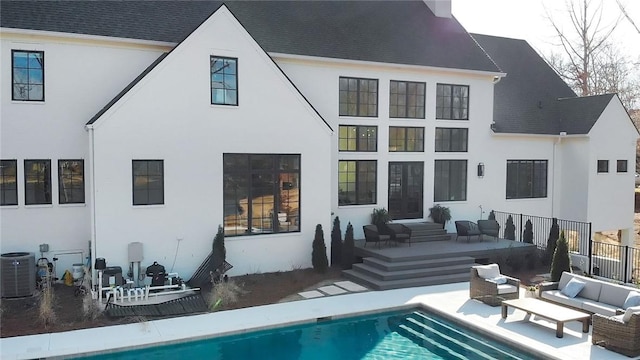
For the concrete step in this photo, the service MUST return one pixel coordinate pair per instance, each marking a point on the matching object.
(428, 232)
(418, 264)
(378, 284)
(438, 237)
(412, 273)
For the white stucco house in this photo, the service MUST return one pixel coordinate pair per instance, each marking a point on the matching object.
(156, 122)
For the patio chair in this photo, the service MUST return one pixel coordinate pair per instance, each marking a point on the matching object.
(487, 285)
(372, 235)
(400, 233)
(468, 229)
(489, 227)
(616, 334)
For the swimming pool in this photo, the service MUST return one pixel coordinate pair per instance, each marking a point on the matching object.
(407, 334)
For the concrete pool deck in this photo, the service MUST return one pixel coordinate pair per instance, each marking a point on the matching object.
(452, 299)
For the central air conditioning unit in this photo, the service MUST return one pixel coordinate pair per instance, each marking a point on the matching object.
(17, 274)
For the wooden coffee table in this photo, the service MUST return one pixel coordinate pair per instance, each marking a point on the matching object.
(547, 310)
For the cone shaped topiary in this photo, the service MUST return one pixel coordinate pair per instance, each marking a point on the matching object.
(554, 233)
(218, 250)
(527, 235)
(561, 260)
(510, 229)
(319, 253)
(492, 215)
(336, 243)
(348, 248)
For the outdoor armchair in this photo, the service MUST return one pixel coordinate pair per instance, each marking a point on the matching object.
(616, 334)
(468, 229)
(372, 235)
(400, 233)
(487, 285)
(489, 227)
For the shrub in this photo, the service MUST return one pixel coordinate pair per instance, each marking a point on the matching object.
(527, 235)
(492, 215)
(440, 214)
(319, 254)
(90, 308)
(219, 253)
(224, 294)
(561, 261)
(336, 242)
(554, 233)
(348, 248)
(380, 217)
(510, 229)
(46, 307)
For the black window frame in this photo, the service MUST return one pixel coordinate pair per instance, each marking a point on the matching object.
(361, 184)
(450, 109)
(64, 196)
(444, 138)
(4, 188)
(235, 75)
(603, 166)
(344, 92)
(622, 166)
(362, 138)
(135, 199)
(284, 171)
(44, 197)
(450, 176)
(28, 83)
(520, 185)
(419, 98)
(404, 140)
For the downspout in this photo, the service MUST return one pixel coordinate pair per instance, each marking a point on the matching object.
(556, 167)
(92, 197)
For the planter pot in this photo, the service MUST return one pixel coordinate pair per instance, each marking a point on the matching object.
(530, 294)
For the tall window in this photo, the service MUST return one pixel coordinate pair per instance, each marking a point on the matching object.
(358, 138)
(450, 180)
(224, 80)
(451, 139)
(410, 139)
(406, 99)
(358, 97)
(603, 166)
(357, 182)
(261, 194)
(8, 182)
(148, 182)
(28, 75)
(621, 166)
(526, 179)
(452, 102)
(37, 182)
(71, 181)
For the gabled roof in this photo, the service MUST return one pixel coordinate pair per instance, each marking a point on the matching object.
(399, 32)
(577, 115)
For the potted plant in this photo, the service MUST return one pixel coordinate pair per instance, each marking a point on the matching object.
(440, 214)
(531, 291)
(380, 217)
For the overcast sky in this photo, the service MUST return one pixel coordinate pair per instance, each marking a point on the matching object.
(526, 19)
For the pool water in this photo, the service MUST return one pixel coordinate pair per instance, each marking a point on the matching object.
(414, 334)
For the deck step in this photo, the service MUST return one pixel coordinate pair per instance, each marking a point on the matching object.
(412, 273)
(418, 264)
(378, 284)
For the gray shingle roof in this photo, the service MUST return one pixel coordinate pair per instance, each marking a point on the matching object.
(532, 98)
(402, 32)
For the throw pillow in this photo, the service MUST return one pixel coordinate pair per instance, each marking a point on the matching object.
(630, 311)
(633, 299)
(499, 280)
(488, 271)
(572, 288)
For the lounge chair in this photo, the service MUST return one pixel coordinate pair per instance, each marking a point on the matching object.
(486, 284)
(619, 333)
(399, 233)
(372, 235)
(468, 229)
(489, 227)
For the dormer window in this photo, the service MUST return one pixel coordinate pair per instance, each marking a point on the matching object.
(27, 75)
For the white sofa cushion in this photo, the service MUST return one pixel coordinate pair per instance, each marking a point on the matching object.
(633, 299)
(507, 289)
(559, 297)
(573, 288)
(599, 308)
(613, 294)
(488, 271)
(630, 311)
(591, 290)
(564, 279)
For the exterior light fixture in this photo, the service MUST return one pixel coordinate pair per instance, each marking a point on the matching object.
(481, 170)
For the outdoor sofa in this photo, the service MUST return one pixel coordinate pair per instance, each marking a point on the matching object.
(595, 296)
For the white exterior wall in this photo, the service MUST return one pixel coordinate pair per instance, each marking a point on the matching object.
(611, 195)
(81, 76)
(168, 116)
(573, 169)
(318, 80)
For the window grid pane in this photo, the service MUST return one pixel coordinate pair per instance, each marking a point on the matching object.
(452, 102)
(358, 138)
(526, 179)
(71, 181)
(406, 99)
(358, 97)
(37, 179)
(406, 139)
(8, 182)
(224, 80)
(621, 166)
(357, 182)
(603, 166)
(451, 139)
(450, 180)
(148, 182)
(27, 75)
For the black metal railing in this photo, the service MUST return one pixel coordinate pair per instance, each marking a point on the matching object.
(616, 262)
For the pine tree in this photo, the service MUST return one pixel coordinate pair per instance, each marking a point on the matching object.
(219, 252)
(510, 229)
(319, 254)
(348, 248)
(561, 260)
(492, 215)
(554, 234)
(527, 235)
(336, 243)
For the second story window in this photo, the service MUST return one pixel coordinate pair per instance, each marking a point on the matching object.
(410, 139)
(37, 182)
(358, 97)
(406, 99)
(8, 182)
(224, 81)
(148, 182)
(27, 75)
(451, 139)
(71, 181)
(358, 138)
(603, 166)
(452, 102)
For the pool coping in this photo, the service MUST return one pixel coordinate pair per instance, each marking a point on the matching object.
(451, 301)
